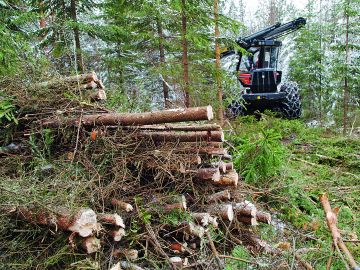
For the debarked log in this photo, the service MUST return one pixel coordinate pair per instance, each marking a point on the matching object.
(130, 119)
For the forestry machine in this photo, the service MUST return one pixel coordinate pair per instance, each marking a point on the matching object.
(257, 72)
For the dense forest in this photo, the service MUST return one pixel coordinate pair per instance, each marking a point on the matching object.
(95, 175)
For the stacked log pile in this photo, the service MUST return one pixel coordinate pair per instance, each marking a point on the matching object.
(152, 164)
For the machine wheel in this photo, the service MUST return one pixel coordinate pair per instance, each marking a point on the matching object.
(235, 109)
(291, 105)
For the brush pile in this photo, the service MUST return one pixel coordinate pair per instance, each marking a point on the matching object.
(130, 187)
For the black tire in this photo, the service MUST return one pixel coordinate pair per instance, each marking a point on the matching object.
(291, 106)
(235, 109)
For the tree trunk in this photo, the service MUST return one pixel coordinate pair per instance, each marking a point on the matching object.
(191, 136)
(185, 54)
(346, 88)
(162, 62)
(79, 59)
(128, 119)
(217, 64)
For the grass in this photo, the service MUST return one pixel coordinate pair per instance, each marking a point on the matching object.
(314, 161)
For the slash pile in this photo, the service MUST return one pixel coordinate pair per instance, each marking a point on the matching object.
(129, 186)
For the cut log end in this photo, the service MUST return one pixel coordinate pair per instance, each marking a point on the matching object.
(210, 113)
(117, 234)
(91, 244)
(84, 223)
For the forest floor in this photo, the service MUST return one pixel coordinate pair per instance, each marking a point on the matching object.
(306, 163)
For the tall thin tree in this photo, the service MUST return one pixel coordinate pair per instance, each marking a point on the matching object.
(217, 62)
(185, 54)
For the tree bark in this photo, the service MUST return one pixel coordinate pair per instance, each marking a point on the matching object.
(162, 62)
(185, 54)
(191, 136)
(204, 127)
(217, 64)
(346, 88)
(127, 119)
(79, 59)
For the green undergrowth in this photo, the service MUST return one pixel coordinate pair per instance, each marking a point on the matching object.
(291, 165)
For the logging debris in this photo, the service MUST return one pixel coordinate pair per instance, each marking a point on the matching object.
(178, 177)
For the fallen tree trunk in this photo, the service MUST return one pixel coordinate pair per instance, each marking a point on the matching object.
(129, 119)
(205, 127)
(83, 222)
(81, 79)
(191, 136)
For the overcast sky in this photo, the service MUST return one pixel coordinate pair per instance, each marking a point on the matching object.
(252, 4)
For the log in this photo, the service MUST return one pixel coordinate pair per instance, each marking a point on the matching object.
(331, 219)
(212, 174)
(219, 196)
(81, 79)
(113, 219)
(211, 151)
(247, 220)
(91, 244)
(84, 222)
(170, 136)
(224, 211)
(129, 119)
(122, 205)
(229, 179)
(205, 127)
(245, 208)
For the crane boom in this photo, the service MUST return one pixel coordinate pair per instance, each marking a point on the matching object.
(272, 32)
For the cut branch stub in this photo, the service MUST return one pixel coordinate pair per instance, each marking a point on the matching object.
(193, 229)
(117, 234)
(263, 217)
(122, 205)
(245, 208)
(128, 119)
